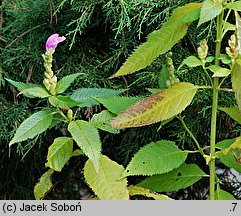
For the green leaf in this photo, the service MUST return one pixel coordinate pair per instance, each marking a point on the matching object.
(106, 184)
(65, 82)
(63, 101)
(156, 158)
(159, 41)
(238, 30)
(209, 59)
(44, 185)
(163, 77)
(228, 27)
(135, 190)
(59, 153)
(233, 112)
(87, 138)
(223, 195)
(222, 72)
(191, 61)
(77, 152)
(36, 92)
(182, 177)
(225, 59)
(102, 121)
(33, 125)
(118, 104)
(234, 6)
(86, 95)
(236, 80)
(22, 86)
(229, 159)
(210, 10)
(214, 68)
(157, 107)
(236, 144)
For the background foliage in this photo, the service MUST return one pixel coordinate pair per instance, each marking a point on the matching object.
(100, 36)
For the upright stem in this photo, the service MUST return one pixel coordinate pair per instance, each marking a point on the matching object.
(214, 111)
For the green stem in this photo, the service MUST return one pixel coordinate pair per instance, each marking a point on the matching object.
(191, 134)
(214, 111)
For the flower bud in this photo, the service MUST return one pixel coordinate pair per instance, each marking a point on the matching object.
(202, 50)
(70, 114)
(46, 84)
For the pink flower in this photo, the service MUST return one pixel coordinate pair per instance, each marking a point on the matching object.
(53, 41)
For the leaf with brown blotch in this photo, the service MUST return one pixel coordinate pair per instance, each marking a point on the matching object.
(157, 107)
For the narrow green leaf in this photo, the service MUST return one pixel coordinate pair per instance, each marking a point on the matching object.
(233, 112)
(106, 184)
(33, 125)
(118, 104)
(159, 41)
(228, 27)
(157, 107)
(36, 92)
(59, 153)
(229, 159)
(86, 95)
(135, 190)
(163, 77)
(44, 185)
(210, 10)
(156, 158)
(22, 86)
(234, 6)
(223, 195)
(63, 101)
(102, 121)
(65, 82)
(191, 61)
(182, 177)
(236, 80)
(222, 72)
(87, 138)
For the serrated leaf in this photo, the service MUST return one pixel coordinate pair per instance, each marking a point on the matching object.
(191, 61)
(157, 107)
(36, 92)
(229, 159)
(65, 82)
(118, 104)
(87, 138)
(44, 185)
(33, 125)
(59, 153)
(182, 177)
(102, 121)
(63, 101)
(106, 184)
(159, 41)
(210, 10)
(233, 112)
(86, 95)
(222, 72)
(155, 158)
(236, 80)
(135, 190)
(22, 86)
(223, 195)
(163, 77)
